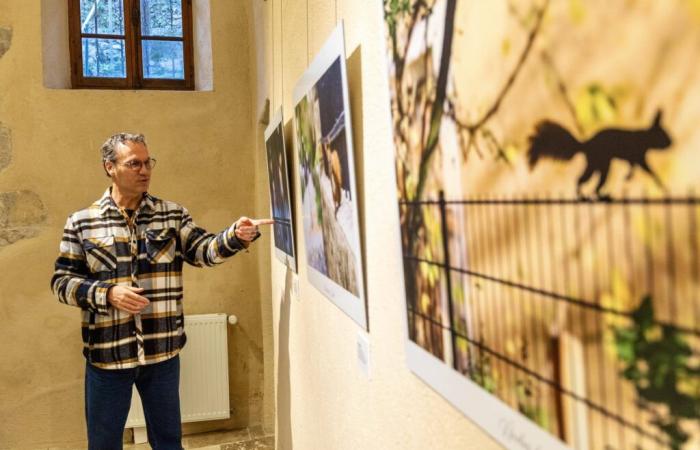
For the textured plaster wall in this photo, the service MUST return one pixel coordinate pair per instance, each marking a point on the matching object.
(260, 116)
(323, 400)
(50, 166)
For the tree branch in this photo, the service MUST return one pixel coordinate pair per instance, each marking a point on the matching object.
(440, 95)
(514, 74)
(549, 62)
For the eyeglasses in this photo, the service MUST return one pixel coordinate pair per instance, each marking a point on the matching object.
(136, 165)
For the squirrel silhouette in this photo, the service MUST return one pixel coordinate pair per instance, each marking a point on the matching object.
(552, 140)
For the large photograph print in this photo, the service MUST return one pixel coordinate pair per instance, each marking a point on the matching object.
(323, 136)
(547, 156)
(280, 200)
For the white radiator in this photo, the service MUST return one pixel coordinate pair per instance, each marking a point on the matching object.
(203, 374)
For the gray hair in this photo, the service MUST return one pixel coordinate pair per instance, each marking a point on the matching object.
(109, 148)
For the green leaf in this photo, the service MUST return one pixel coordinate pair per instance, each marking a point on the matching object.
(632, 373)
(644, 314)
(656, 360)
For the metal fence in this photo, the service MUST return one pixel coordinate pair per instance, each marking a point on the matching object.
(582, 314)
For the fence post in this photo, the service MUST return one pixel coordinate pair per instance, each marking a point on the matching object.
(448, 273)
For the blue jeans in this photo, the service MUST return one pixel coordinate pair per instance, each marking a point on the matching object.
(108, 399)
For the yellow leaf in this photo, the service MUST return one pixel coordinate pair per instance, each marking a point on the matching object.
(621, 297)
(462, 345)
(689, 386)
(618, 298)
(603, 107)
(511, 152)
(424, 303)
(423, 270)
(431, 277)
(411, 185)
(595, 107)
(694, 7)
(609, 344)
(577, 11)
(434, 274)
(510, 347)
(653, 334)
(505, 47)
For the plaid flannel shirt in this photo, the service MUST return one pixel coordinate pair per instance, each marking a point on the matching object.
(101, 249)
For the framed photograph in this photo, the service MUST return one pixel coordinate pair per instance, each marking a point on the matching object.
(280, 198)
(323, 137)
(546, 178)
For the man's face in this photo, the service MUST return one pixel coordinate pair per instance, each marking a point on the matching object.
(130, 181)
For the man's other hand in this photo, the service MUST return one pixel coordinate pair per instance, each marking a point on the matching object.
(127, 299)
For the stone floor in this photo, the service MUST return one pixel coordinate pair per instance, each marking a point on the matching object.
(245, 439)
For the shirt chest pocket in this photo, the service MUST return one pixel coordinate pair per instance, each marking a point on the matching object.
(100, 253)
(160, 245)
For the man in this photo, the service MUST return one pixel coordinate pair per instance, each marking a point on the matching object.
(121, 262)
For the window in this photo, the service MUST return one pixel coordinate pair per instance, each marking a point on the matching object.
(131, 44)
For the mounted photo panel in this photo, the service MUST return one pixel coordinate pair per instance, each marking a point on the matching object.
(280, 199)
(546, 159)
(323, 139)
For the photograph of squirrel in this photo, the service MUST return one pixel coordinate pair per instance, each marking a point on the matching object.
(552, 140)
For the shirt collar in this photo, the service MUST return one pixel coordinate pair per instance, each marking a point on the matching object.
(106, 202)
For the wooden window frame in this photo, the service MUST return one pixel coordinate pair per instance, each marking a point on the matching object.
(133, 51)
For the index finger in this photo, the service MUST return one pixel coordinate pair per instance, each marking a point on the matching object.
(257, 222)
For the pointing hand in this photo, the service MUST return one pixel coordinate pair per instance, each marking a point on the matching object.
(247, 229)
